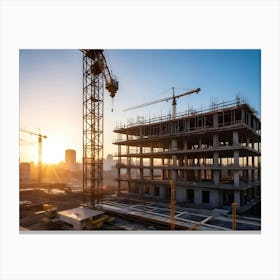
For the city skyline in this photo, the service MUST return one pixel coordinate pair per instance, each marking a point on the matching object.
(51, 91)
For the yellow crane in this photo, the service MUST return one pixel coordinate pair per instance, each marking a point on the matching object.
(40, 138)
(96, 76)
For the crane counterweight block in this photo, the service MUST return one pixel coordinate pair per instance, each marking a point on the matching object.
(112, 87)
(93, 54)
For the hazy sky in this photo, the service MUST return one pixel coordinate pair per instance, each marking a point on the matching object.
(51, 90)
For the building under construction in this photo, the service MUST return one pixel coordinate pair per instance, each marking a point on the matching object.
(212, 156)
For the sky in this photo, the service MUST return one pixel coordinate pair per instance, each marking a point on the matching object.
(50, 91)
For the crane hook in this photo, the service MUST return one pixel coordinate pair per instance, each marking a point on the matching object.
(112, 104)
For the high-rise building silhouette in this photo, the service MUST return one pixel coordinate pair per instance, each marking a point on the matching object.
(70, 160)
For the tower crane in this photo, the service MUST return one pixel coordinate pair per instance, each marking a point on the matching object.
(173, 98)
(96, 76)
(40, 138)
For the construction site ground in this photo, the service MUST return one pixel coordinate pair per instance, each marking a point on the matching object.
(130, 213)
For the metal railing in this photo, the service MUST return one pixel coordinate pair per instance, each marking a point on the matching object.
(214, 107)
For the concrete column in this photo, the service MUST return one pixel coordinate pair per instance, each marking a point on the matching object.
(188, 125)
(119, 169)
(180, 195)
(141, 132)
(174, 160)
(215, 141)
(162, 192)
(216, 173)
(247, 142)
(152, 165)
(254, 124)
(162, 171)
(199, 143)
(236, 158)
(214, 198)
(141, 164)
(253, 169)
(235, 142)
(152, 190)
(129, 168)
(249, 119)
(128, 164)
(235, 138)
(259, 169)
(237, 198)
(181, 164)
(236, 178)
(197, 196)
(185, 175)
(215, 120)
(216, 177)
(185, 144)
(244, 175)
(168, 170)
(250, 174)
(242, 116)
(185, 159)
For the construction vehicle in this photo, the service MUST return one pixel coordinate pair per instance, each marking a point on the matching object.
(96, 76)
(173, 98)
(40, 138)
(50, 210)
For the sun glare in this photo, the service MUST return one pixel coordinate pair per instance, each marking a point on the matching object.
(52, 153)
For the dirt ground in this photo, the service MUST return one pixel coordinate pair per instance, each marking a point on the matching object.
(32, 216)
(31, 219)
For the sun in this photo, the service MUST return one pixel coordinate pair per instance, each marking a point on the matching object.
(52, 153)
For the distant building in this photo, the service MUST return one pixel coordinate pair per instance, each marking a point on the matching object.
(109, 163)
(70, 160)
(24, 173)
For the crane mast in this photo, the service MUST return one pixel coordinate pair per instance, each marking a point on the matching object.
(96, 75)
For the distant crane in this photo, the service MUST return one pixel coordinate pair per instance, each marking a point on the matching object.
(40, 136)
(96, 75)
(173, 98)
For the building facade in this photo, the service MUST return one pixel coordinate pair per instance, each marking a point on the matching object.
(213, 156)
